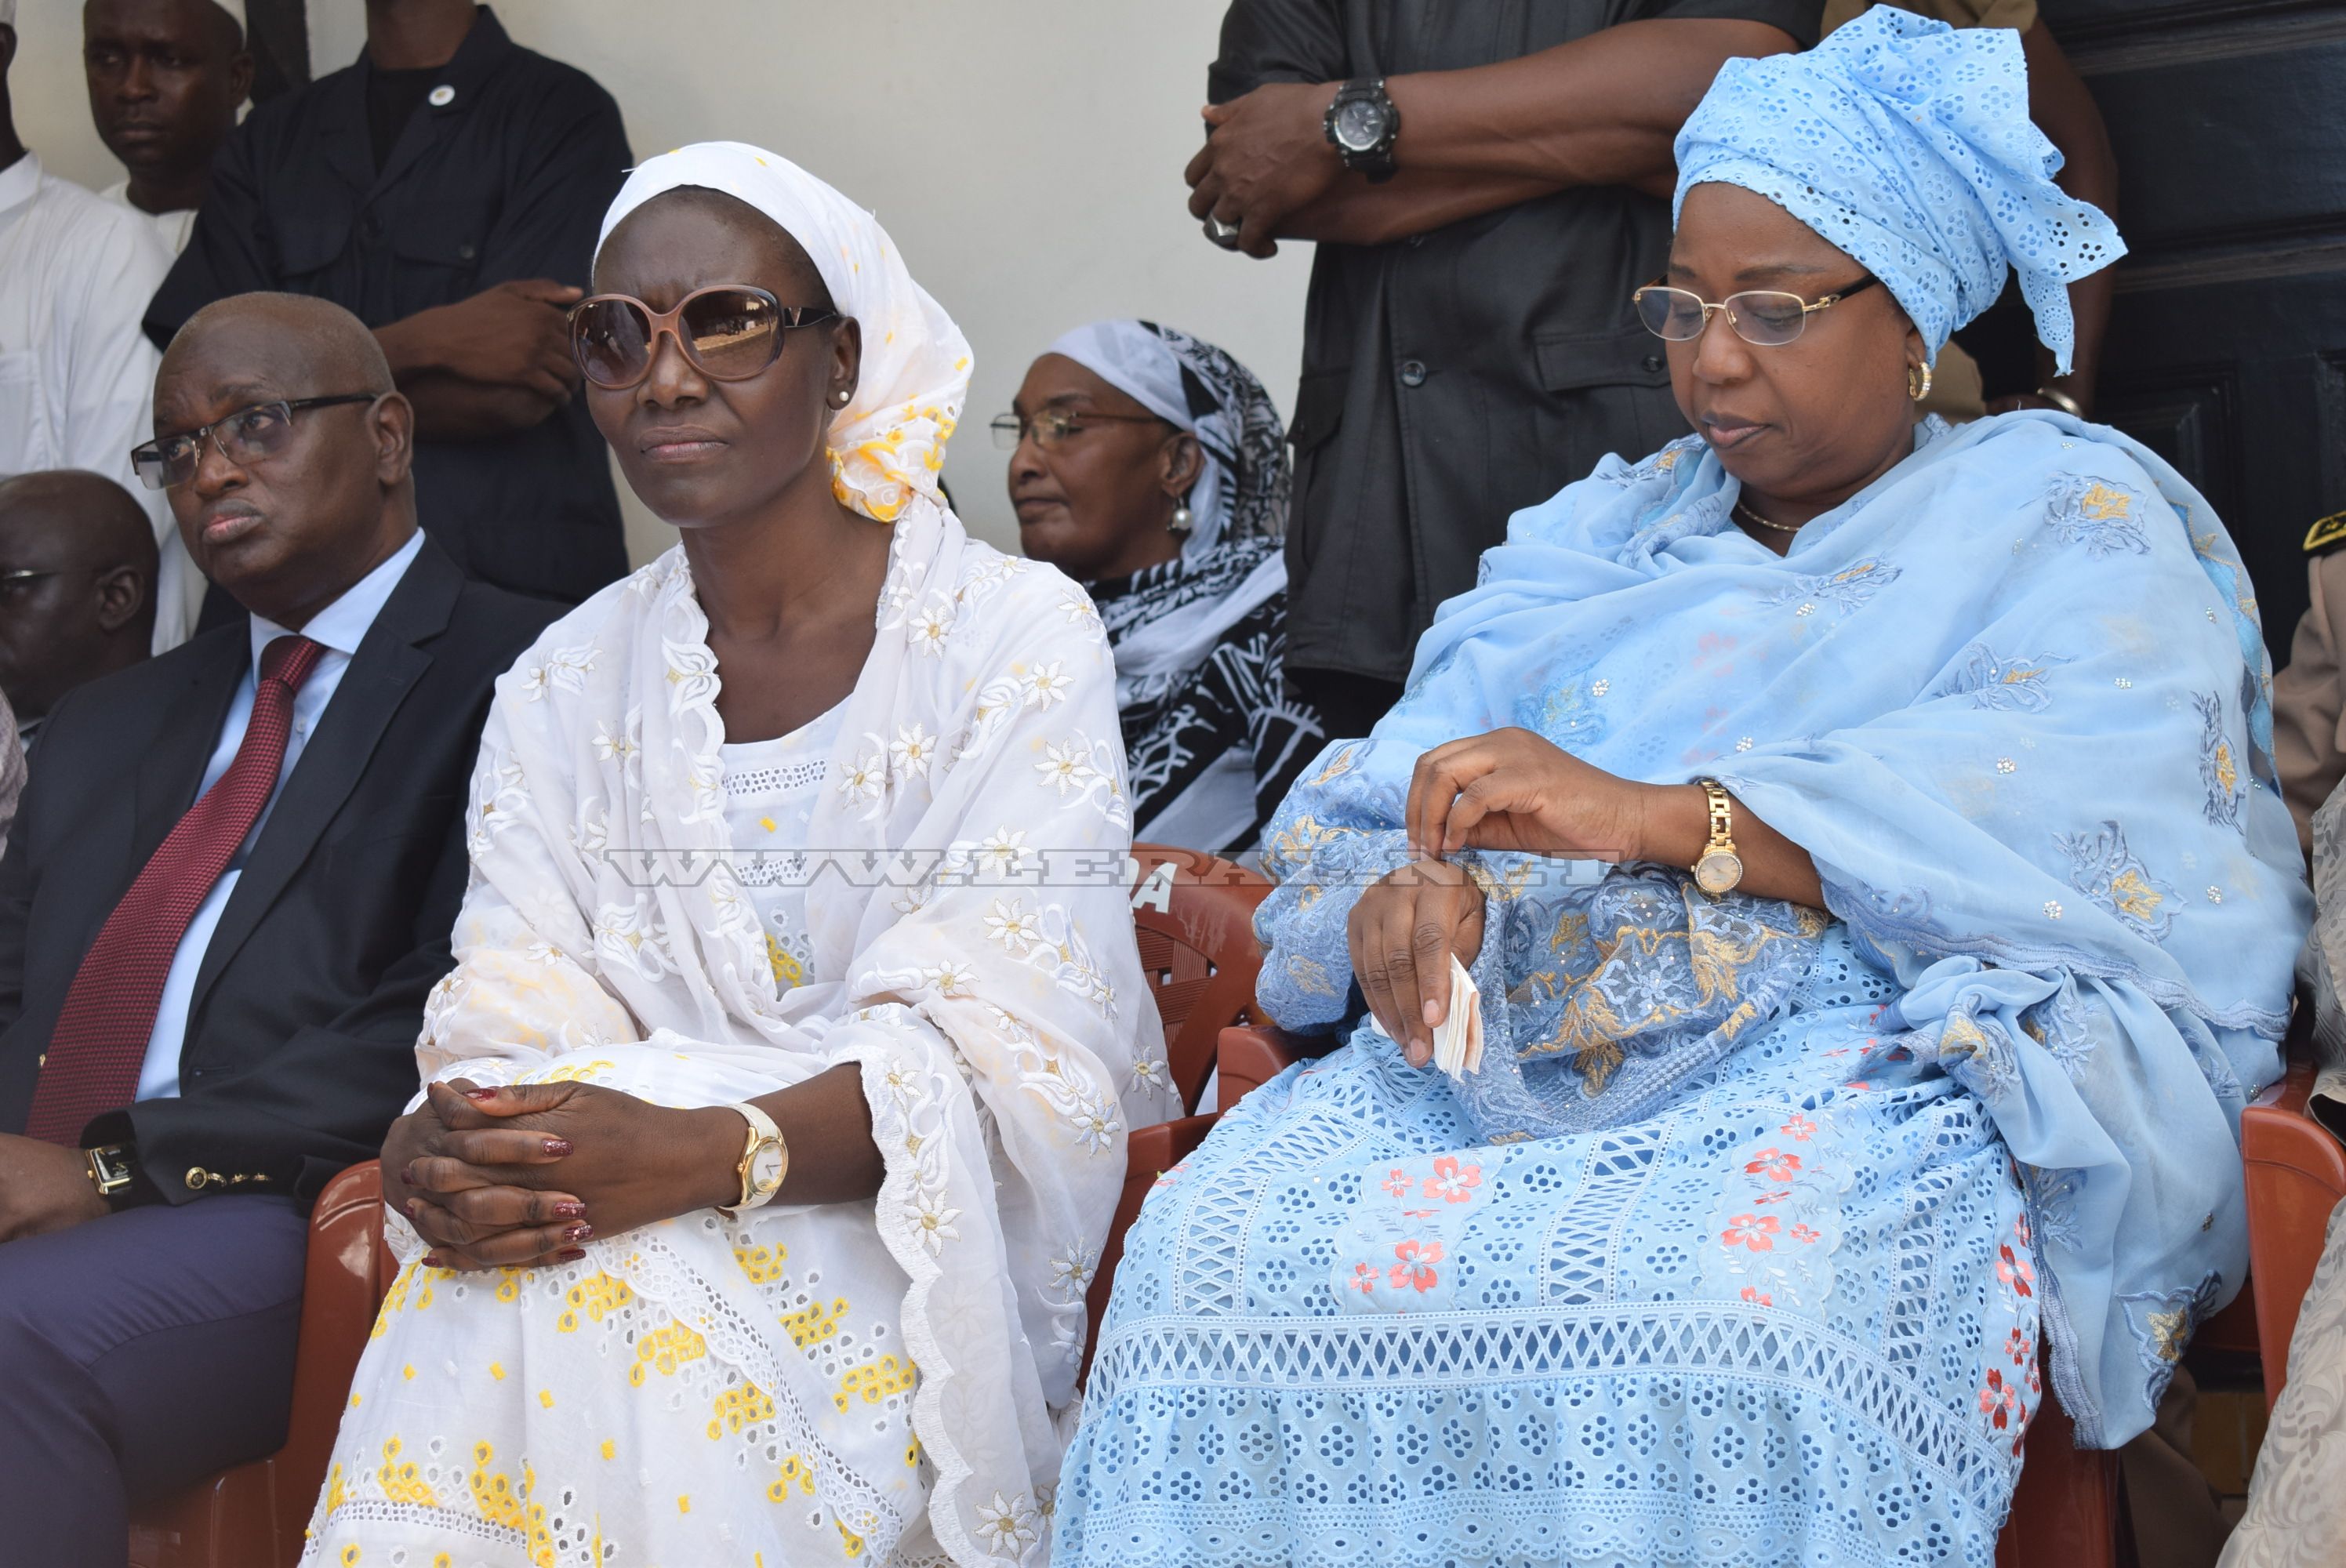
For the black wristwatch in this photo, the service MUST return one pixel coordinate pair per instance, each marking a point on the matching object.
(1361, 125)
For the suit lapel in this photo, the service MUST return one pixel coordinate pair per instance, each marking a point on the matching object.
(386, 667)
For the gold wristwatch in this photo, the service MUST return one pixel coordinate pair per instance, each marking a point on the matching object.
(1720, 868)
(110, 1170)
(765, 1158)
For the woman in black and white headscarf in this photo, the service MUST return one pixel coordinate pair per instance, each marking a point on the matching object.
(1152, 467)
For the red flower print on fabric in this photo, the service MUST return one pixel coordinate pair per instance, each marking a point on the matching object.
(1807, 1235)
(2016, 1272)
(1364, 1278)
(1414, 1271)
(1773, 1164)
(1452, 1182)
(1398, 1184)
(1999, 1401)
(1800, 1129)
(1756, 1231)
(1757, 1297)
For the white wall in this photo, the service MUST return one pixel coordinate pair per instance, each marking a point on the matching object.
(1025, 155)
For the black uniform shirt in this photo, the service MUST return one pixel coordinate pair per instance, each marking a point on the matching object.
(504, 175)
(1456, 376)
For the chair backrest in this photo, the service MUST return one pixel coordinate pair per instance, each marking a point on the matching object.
(1193, 914)
(349, 1269)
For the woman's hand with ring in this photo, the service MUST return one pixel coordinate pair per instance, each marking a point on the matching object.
(1403, 931)
(1514, 790)
(498, 1185)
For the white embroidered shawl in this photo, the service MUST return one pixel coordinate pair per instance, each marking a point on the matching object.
(1005, 1034)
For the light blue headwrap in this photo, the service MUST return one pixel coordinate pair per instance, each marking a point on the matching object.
(1907, 144)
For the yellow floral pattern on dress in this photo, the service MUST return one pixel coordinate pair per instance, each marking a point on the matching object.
(761, 1265)
(666, 1349)
(746, 1405)
(401, 1482)
(813, 1323)
(501, 1502)
(596, 1296)
(875, 1380)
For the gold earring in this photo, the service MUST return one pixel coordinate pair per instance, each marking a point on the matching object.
(1918, 382)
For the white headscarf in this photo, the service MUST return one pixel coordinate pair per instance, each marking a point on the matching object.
(888, 445)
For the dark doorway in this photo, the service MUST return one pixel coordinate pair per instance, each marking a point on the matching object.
(2227, 346)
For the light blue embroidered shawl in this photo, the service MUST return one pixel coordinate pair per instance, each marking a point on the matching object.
(2011, 697)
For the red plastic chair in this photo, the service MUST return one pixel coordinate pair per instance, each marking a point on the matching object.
(1194, 916)
(2297, 1175)
(253, 1516)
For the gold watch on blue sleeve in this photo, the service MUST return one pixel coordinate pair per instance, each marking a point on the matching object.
(1720, 869)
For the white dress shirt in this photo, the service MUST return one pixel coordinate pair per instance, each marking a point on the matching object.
(171, 228)
(339, 627)
(76, 372)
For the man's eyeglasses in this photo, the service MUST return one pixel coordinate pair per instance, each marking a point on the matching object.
(1054, 425)
(1764, 317)
(729, 332)
(252, 434)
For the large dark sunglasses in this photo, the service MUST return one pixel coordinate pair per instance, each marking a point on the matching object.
(730, 331)
(252, 434)
(1764, 317)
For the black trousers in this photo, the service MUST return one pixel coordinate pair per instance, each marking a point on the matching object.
(139, 1353)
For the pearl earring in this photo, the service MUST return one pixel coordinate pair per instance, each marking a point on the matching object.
(1183, 519)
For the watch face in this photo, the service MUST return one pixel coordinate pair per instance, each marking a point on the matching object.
(1718, 871)
(1360, 123)
(766, 1167)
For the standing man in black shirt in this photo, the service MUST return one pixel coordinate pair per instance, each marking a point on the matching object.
(446, 189)
(1486, 185)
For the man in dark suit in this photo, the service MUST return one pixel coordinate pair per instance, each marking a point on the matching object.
(225, 896)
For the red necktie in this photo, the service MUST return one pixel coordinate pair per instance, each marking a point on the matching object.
(98, 1047)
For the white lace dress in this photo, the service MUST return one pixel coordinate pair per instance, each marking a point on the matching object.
(877, 1382)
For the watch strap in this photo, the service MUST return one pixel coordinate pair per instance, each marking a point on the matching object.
(761, 1132)
(1722, 815)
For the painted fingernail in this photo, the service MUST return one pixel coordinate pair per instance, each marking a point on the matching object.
(412, 1205)
(569, 1208)
(582, 1231)
(556, 1148)
(480, 1094)
(433, 1260)
(569, 1254)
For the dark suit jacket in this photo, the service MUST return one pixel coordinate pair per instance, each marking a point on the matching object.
(300, 1038)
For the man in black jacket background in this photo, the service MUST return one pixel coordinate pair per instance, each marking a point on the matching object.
(446, 189)
(1492, 185)
(227, 892)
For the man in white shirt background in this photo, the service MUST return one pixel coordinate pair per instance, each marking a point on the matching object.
(76, 373)
(167, 79)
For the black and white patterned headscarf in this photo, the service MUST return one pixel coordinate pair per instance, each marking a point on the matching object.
(1231, 562)
(1213, 738)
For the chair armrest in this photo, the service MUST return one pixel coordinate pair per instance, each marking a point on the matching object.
(2296, 1173)
(1250, 1055)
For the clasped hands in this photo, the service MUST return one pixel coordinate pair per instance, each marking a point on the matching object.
(1507, 790)
(495, 1177)
(1266, 157)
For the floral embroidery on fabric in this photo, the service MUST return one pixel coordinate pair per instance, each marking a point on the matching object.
(1778, 1219)
(2103, 869)
(2095, 514)
(2014, 685)
(2219, 769)
(1849, 588)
